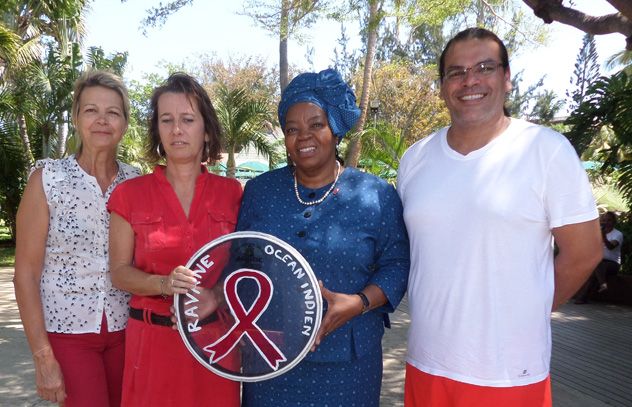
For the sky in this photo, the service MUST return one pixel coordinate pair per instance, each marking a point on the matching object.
(215, 28)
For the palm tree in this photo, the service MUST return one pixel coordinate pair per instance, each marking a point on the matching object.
(621, 59)
(27, 24)
(34, 87)
(382, 148)
(607, 104)
(244, 122)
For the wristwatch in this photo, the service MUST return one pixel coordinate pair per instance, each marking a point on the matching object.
(365, 302)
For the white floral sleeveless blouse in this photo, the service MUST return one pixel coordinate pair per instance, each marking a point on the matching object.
(75, 286)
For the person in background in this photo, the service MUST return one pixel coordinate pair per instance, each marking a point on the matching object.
(483, 200)
(74, 319)
(611, 262)
(158, 222)
(349, 227)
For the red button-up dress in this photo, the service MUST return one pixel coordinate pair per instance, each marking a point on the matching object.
(159, 370)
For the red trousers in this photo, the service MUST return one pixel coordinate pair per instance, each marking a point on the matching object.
(424, 390)
(92, 365)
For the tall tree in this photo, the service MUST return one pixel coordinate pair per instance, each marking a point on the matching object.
(281, 17)
(619, 22)
(250, 73)
(35, 22)
(433, 23)
(345, 61)
(284, 18)
(408, 99)
(585, 73)
(374, 17)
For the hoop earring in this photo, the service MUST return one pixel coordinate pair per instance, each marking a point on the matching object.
(158, 150)
(207, 151)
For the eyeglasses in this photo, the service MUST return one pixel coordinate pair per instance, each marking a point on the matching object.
(458, 73)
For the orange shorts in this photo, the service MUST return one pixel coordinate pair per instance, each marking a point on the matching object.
(425, 390)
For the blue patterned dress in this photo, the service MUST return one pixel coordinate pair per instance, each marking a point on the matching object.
(355, 237)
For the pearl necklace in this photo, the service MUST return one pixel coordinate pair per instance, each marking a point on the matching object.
(316, 202)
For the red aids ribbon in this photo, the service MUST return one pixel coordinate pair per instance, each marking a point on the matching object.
(245, 320)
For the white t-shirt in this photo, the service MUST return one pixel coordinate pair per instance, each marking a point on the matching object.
(75, 285)
(481, 280)
(614, 254)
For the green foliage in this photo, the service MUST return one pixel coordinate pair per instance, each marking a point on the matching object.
(519, 100)
(607, 104)
(7, 247)
(382, 147)
(244, 123)
(431, 12)
(546, 107)
(114, 63)
(7, 255)
(624, 225)
(41, 58)
(12, 173)
(408, 99)
(250, 73)
(433, 22)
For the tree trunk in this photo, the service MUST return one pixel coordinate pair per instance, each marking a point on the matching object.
(283, 35)
(26, 142)
(231, 168)
(480, 14)
(355, 147)
(62, 135)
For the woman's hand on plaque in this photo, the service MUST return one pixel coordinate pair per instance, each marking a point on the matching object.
(340, 309)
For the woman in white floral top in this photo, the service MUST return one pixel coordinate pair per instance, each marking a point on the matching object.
(74, 319)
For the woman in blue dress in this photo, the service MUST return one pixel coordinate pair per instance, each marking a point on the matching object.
(349, 226)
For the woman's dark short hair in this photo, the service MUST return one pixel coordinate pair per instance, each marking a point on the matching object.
(474, 33)
(183, 83)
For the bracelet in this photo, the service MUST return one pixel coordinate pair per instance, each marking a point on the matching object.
(35, 354)
(162, 288)
(365, 302)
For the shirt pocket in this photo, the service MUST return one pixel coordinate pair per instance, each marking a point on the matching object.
(149, 230)
(220, 223)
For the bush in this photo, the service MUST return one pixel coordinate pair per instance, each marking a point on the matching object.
(624, 224)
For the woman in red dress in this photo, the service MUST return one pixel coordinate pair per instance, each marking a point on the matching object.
(158, 222)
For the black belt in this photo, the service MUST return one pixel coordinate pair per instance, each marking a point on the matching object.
(147, 316)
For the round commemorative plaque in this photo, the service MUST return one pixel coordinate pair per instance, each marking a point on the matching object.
(255, 310)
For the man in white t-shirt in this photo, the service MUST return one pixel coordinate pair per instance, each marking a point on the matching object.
(483, 200)
(611, 262)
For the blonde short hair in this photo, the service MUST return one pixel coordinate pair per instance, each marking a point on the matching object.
(99, 78)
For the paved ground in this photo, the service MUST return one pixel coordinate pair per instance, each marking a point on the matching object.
(16, 368)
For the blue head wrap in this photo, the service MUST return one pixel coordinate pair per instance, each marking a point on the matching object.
(327, 90)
